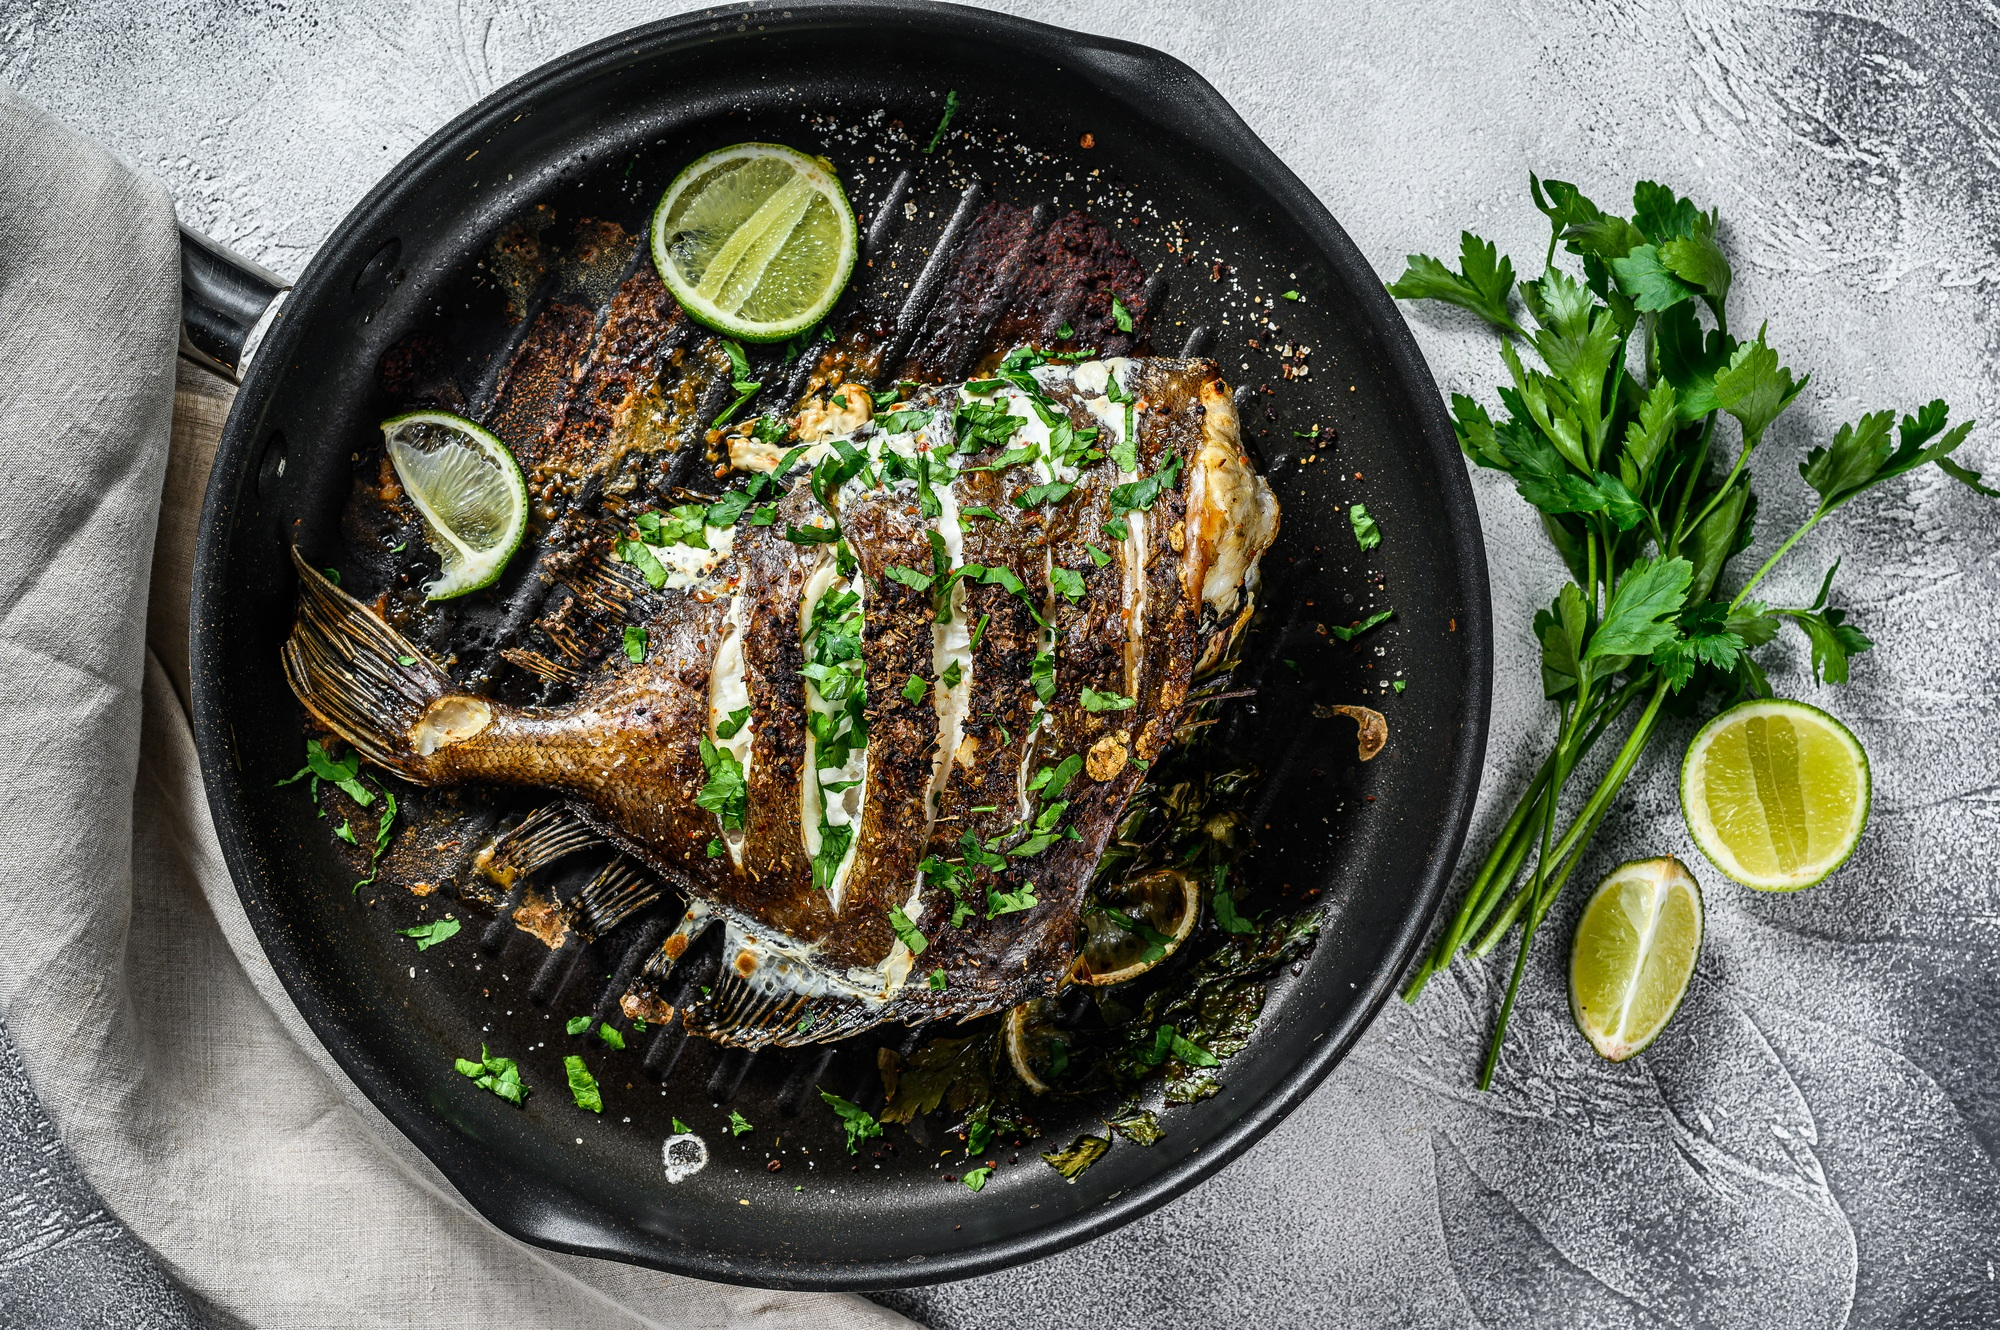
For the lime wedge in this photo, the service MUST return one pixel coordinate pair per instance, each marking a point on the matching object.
(1775, 793)
(1634, 953)
(755, 241)
(469, 491)
(1133, 925)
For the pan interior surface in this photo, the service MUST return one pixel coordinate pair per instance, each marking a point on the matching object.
(1234, 246)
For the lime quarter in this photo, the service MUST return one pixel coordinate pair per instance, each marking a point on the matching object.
(468, 490)
(1634, 953)
(755, 241)
(1775, 793)
(1133, 925)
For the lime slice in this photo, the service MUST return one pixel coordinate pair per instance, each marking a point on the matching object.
(1634, 954)
(469, 491)
(1034, 1045)
(1775, 793)
(1134, 925)
(755, 241)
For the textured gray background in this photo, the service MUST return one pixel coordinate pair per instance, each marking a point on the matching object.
(1811, 1145)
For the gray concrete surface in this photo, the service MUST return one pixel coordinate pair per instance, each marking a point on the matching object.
(1811, 1145)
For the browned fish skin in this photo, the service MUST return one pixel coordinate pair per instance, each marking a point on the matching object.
(625, 750)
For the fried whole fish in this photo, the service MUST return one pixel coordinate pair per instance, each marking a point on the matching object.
(893, 696)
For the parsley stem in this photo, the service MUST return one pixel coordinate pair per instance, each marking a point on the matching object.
(1778, 554)
(1502, 865)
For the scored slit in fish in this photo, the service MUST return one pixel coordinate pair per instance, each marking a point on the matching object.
(851, 698)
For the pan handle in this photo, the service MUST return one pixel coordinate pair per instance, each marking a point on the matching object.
(225, 298)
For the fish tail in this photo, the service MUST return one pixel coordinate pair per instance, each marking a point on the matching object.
(361, 678)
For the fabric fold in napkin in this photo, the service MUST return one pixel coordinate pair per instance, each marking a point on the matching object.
(181, 1078)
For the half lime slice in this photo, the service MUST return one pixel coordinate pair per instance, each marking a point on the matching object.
(1133, 925)
(756, 241)
(1634, 953)
(1775, 793)
(469, 491)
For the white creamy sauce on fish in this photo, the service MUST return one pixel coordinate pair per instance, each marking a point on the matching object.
(728, 693)
(850, 778)
(1093, 377)
(688, 565)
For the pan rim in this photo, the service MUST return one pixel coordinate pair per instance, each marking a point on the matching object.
(1129, 74)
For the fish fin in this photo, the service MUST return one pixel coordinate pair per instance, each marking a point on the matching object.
(746, 1015)
(599, 583)
(535, 663)
(345, 664)
(613, 896)
(535, 842)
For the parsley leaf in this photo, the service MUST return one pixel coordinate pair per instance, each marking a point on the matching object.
(1010, 902)
(635, 643)
(640, 557)
(1639, 617)
(1482, 284)
(738, 1124)
(938, 980)
(1348, 634)
(725, 794)
(914, 689)
(1120, 315)
(859, 1122)
(430, 934)
(1068, 583)
(500, 1076)
(975, 1178)
(582, 1085)
(1096, 701)
(907, 931)
(1366, 533)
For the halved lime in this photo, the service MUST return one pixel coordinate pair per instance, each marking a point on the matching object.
(1635, 950)
(1775, 793)
(469, 491)
(756, 241)
(1131, 926)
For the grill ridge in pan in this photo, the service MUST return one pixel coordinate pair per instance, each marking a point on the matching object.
(1169, 152)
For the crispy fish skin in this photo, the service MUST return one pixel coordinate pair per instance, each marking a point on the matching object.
(627, 754)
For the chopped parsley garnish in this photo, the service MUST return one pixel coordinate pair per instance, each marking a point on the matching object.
(1086, 1151)
(683, 524)
(344, 773)
(745, 386)
(1138, 495)
(1120, 315)
(944, 121)
(978, 631)
(1399, 685)
(609, 1036)
(1010, 902)
(1097, 556)
(577, 1024)
(909, 577)
(1051, 493)
(907, 931)
(975, 1178)
(732, 724)
(1349, 634)
(952, 674)
(738, 1124)
(345, 831)
(1042, 674)
(984, 424)
(937, 980)
(1065, 332)
(682, 1128)
(716, 849)
(860, 1123)
(725, 510)
(725, 794)
(1226, 917)
(981, 510)
(582, 1085)
(430, 934)
(902, 422)
(1068, 583)
(1096, 701)
(501, 1076)
(640, 557)
(811, 535)
(406, 660)
(914, 689)
(1291, 295)
(635, 643)
(1366, 533)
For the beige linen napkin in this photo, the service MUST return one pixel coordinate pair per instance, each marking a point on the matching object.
(180, 1076)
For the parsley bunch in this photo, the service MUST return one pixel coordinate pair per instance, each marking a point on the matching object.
(1612, 427)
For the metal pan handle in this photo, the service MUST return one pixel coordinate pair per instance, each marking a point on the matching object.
(225, 299)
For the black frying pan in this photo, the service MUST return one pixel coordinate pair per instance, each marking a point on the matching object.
(602, 131)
